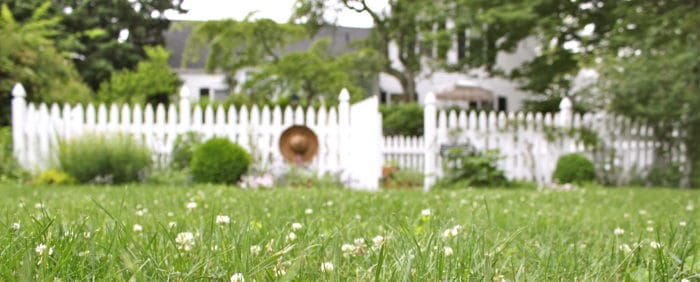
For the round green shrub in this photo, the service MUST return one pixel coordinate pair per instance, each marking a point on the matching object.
(218, 160)
(574, 168)
(106, 158)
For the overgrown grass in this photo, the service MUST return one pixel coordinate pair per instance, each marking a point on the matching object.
(506, 234)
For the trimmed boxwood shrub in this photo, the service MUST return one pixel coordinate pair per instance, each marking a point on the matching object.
(115, 158)
(218, 160)
(574, 168)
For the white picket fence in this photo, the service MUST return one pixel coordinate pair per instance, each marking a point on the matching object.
(530, 144)
(37, 129)
(350, 139)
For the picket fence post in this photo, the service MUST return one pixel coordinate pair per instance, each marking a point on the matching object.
(185, 110)
(565, 112)
(430, 141)
(344, 129)
(19, 106)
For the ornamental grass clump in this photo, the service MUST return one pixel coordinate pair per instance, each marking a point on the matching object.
(219, 160)
(106, 158)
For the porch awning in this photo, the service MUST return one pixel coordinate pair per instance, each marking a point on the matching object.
(466, 93)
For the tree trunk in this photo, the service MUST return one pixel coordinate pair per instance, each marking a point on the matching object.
(408, 83)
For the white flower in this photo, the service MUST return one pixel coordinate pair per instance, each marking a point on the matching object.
(296, 226)
(689, 207)
(291, 236)
(360, 243)
(137, 228)
(255, 250)
(185, 241)
(42, 249)
(87, 235)
(171, 214)
(654, 245)
(15, 226)
(451, 232)
(685, 280)
(642, 212)
(347, 249)
(172, 224)
(619, 231)
(625, 248)
(425, 212)
(222, 219)
(327, 267)
(39, 205)
(191, 205)
(448, 251)
(238, 277)
(309, 211)
(650, 229)
(139, 213)
(682, 223)
(378, 242)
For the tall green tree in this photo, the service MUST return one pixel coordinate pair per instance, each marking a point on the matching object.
(95, 32)
(151, 82)
(260, 45)
(28, 55)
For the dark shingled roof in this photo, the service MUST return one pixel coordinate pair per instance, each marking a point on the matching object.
(340, 39)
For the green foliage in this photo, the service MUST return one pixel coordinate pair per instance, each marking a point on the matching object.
(297, 177)
(402, 119)
(117, 158)
(30, 56)
(168, 177)
(404, 178)
(218, 160)
(574, 168)
(183, 149)
(9, 167)
(91, 31)
(152, 82)
(664, 176)
(53, 177)
(470, 168)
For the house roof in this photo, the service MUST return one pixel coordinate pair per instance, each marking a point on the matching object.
(340, 38)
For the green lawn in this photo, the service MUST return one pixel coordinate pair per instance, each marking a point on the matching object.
(506, 234)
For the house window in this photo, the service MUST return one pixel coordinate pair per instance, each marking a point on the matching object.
(203, 92)
(502, 104)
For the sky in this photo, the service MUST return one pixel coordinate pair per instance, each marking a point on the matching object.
(277, 10)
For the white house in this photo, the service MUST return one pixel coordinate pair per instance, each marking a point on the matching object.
(498, 93)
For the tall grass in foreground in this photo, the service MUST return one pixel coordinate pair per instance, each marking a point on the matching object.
(214, 233)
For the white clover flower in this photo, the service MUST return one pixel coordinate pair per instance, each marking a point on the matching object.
(296, 226)
(689, 207)
(619, 231)
(255, 250)
(654, 245)
(82, 254)
(650, 222)
(291, 236)
(426, 212)
(347, 249)
(625, 248)
(39, 205)
(191, 205)
(309, 211)
(171, 214)
(137, 228)
(642, 212)
(327, 267)
(448, 251)
(139, 213)
(15, 226)
(360, 243)
(172, 224)
(682, 223)
(450, 232)
(223, 219)
(42, 249)
(650, 229)
(238, 277)
(185, 241)
(378, 241)
(685, 280)
(87, 235)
